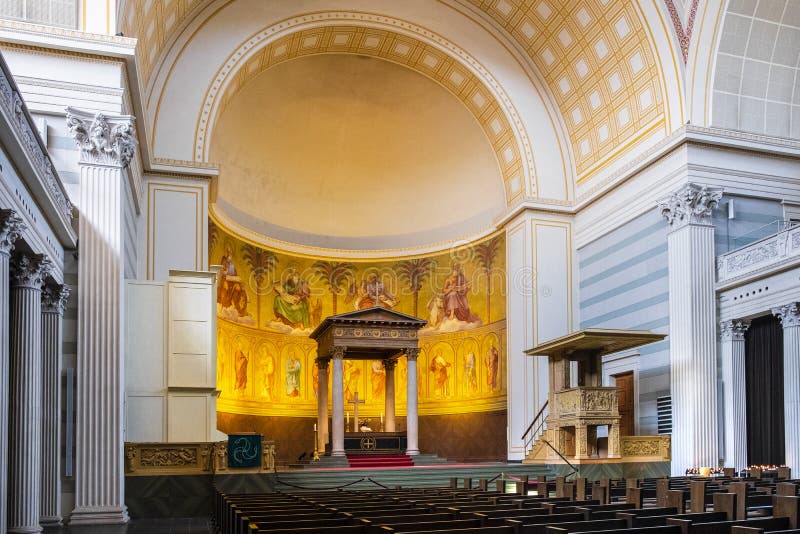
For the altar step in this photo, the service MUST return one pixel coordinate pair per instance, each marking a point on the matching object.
(379, 461)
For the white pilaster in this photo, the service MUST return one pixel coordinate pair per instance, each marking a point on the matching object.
(107, 145)
(692, 332)
(54, 301)
(322, 404)
(388, 425)
(790, 319)
(11, 227)
(25, 415)
(734, 391)
(412, 413)
(337, 443)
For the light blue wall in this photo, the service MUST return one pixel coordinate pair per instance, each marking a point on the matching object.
(624, 284)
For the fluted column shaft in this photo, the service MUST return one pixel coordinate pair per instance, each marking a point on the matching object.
(692, 327)
(337, 443)
(412, 414)
(735, 392)
(388, 425)
(11, 227)
(790, 319)
(54, 300)
(322, 404)
(25, 390)
(106, 145)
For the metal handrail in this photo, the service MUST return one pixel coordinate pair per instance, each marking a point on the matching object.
(530, 436)
(574, 469)
(538, 415)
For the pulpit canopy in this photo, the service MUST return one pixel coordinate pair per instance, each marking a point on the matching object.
(592, 342)
(371, 334)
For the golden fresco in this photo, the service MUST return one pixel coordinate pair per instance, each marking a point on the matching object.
(269, 301)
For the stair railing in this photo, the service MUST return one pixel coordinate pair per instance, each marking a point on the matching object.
(536, 428)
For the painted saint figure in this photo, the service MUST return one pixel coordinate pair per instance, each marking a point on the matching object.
(293, 375)
(378, 379)
(291, 301)
(230, 293)
(471, 372)
(454, 295)
(438, 367)
(373, 293)
(351, 374)
(241, 369)
(269, 374)
(492, 366)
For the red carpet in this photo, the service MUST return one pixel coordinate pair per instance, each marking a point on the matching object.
(380, 460)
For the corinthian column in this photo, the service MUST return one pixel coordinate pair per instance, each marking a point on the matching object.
(337, 432)
(11, 227)
(692, 326)
(389, 365)
(27, 277)
(54, 301)
(412, 414)
(322, 404)
(106, 145)
(735, 394)
(790, 319)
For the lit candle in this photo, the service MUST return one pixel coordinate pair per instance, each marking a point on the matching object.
(348, 417)
(381, 417)
(315, 427)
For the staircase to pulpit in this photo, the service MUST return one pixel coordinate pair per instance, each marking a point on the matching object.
(565, 429)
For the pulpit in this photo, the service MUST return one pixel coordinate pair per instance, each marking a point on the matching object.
(579, 404)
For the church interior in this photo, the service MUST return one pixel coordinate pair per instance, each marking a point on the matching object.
(356, 266)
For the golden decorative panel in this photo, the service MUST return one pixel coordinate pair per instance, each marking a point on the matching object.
(398, 48)
(596, 57)
(269, 301)
(196, 458)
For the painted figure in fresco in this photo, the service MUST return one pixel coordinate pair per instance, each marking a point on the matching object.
(315, 378)
(351, 375)
(373, 293)
(378, 379)
(471, 372)
(291, 301)
(454, 295)
(230, 292)
(439, 367)
(436, 311)
(316, 313)
(241, 369)
(492, 366)
(269, 374)
(293, 375)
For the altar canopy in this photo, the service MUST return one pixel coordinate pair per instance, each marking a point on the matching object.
(371, 334)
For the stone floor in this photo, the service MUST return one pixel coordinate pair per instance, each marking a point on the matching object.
(189, 525)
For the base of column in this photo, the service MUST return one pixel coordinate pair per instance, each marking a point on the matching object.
(412, 452)
(54, 521)
(99, 516)
(24, 530)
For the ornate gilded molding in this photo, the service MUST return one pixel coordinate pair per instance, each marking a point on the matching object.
(733, 330)
(107, 140)
(154, 459)
(789, 314)
(19, 119)
(647, 448)
(691, 204)
(29, 270)
(11, 228)
(54, 299)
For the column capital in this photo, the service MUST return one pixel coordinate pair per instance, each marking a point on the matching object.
(29, 270)
(11, 228)
(389, 365)
(337, 353)
(789, 314)
(733, 330)
(691, 204)
(103, 139)
(412, 354)
(322, 363)
(54, 299)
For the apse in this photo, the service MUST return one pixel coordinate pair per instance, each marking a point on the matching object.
(352, 152)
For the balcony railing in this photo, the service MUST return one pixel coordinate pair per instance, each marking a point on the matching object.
(764, 253)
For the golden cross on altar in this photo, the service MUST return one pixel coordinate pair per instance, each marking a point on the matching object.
(355, 402)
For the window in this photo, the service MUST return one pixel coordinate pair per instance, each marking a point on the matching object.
(63, 13)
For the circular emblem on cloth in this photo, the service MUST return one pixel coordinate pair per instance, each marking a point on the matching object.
(368, 443)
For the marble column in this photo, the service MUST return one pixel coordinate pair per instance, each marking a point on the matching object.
(107, 144)
(337, 443)
(790, 319)
(692, 326)
(734, 392)
(388, 425)
(28, 272)
(322, 404)
(54, 301)
(11, 227)
(412, 415)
